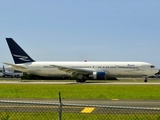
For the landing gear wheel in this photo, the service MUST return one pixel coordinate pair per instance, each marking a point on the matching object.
(145, 80)
(81, 81)
(77, 81)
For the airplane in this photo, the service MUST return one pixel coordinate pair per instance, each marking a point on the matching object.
(82, 71)
(7, 73)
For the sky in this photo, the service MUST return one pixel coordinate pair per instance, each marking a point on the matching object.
(78, 30)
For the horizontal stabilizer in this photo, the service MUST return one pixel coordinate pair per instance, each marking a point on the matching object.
(15, 66)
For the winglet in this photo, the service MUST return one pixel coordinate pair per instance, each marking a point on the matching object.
(18, 54)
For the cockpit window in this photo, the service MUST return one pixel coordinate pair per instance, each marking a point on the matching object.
(152, 66)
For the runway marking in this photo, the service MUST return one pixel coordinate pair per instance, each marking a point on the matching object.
(87, 110)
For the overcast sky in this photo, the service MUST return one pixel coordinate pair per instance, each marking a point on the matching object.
(75, 30)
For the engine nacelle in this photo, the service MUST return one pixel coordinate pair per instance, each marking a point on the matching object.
(99, 75)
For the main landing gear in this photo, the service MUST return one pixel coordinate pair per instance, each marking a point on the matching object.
(81, 81)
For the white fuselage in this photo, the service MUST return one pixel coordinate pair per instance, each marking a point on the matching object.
(111, 68)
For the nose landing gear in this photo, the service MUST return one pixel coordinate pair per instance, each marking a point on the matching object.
(146, 79)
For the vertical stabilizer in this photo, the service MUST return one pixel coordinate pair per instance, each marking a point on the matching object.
(3, 71)
(18, 54)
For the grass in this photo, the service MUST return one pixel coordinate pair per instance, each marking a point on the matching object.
(28, 116)
(81, 91)
(74, 116)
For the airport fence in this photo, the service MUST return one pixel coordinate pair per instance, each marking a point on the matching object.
(25, 110)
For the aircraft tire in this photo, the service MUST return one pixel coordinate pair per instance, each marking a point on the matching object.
(77, 81)
(80, 81)
(145, 80)
(83, 81)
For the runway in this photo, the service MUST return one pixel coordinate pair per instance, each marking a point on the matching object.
(92, 110)
(120, 103)
(126, 103)
(100, 83)
(122, 81)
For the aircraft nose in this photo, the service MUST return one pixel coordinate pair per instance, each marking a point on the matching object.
(157, 70)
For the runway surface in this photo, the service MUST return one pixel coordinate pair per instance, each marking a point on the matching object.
(107, 83)
(138, 81)
(126, 103)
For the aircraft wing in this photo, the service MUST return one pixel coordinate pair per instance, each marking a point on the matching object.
(73, 71)
(15, 66)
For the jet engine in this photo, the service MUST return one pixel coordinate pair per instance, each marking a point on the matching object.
(99, 75)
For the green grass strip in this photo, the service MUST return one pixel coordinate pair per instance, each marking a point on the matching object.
(81, 91)
(74, 116)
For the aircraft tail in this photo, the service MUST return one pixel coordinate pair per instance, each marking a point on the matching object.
(3, 71)
(18, 54)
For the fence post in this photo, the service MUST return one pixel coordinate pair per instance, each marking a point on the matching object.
(60, 108)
